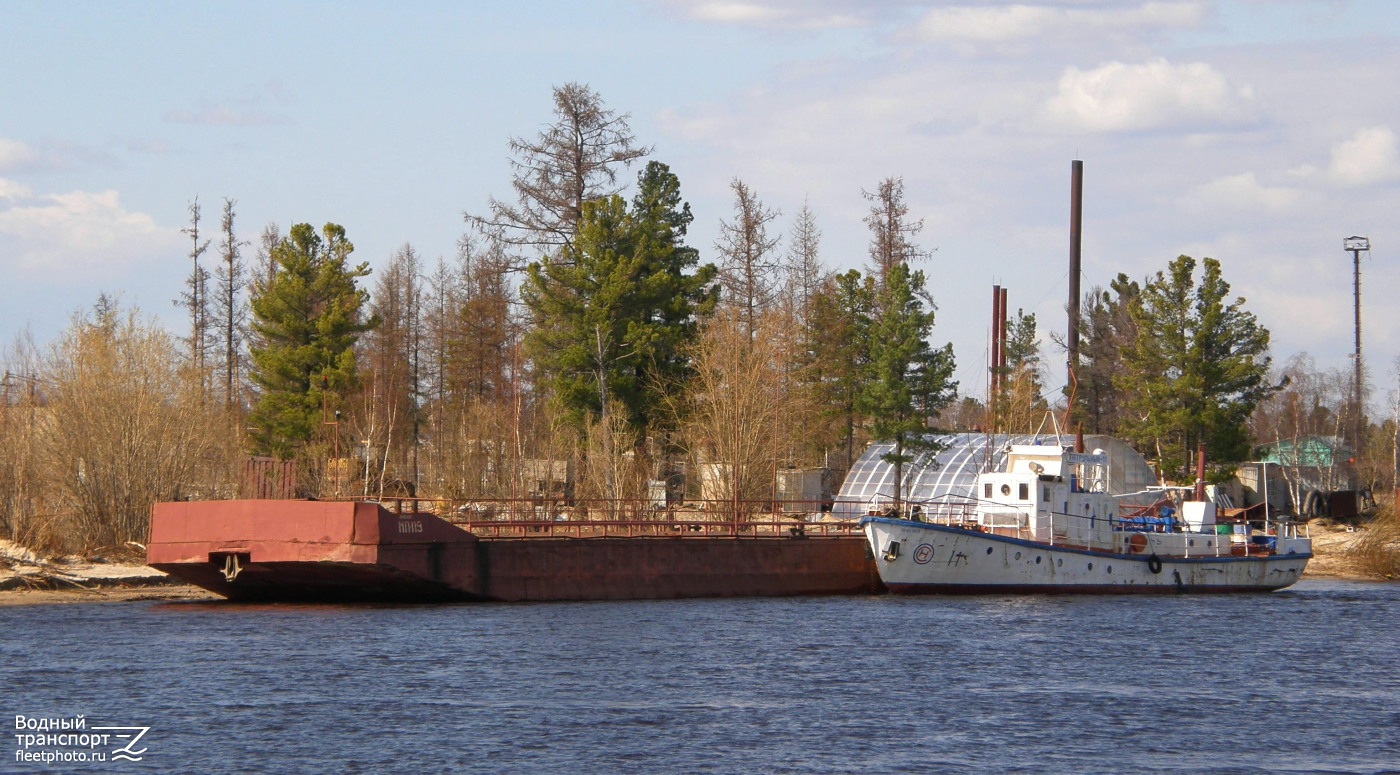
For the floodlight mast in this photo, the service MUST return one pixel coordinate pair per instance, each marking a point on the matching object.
(1356, 246)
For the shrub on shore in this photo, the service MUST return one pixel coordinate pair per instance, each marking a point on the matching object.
(1376, 553)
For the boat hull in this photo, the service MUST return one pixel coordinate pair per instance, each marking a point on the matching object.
(269, 550)
(931, 558)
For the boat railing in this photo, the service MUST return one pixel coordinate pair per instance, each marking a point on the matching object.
(1111, 533)
(631, 517)
(681, 529)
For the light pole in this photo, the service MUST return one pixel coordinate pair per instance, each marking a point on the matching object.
(1356, 245)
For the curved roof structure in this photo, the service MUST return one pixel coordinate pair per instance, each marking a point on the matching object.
(953, 470)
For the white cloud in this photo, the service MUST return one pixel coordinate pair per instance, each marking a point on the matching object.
(15, 155)
(12, 191)
(788, 14)
(1242, 192)
(1370, 156)
(990, 24)
(1119, 97)
(76, 234)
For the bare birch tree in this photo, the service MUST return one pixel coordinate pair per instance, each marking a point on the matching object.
(231, 308)
(748, 268)
(123, 429)
(735, 404)
(195, 299)
(22, 487)
(892, 232)
(388, 422)
(573, 160)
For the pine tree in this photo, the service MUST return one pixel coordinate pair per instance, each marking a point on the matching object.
(307, 319)
(1196, 369)
(1022, 403)
(612, 321)
(909, 381)
(839, 334)
(1106, 327)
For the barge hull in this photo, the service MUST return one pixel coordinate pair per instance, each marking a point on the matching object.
(267, 550)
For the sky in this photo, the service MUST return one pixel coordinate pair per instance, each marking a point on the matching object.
(1257, 132)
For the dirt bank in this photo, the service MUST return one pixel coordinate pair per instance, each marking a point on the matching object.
(1330, 544)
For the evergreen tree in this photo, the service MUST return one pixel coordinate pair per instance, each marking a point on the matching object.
(1196, 369)
(1022, 404)
(1106, 327)
(908, 381)
(612, 321)
(839, 333)
(307, 318)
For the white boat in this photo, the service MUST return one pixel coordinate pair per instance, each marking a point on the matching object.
(1047, 523)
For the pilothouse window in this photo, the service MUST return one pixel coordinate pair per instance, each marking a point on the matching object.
(1024, 492)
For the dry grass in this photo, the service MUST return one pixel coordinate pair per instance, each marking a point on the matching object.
(1376, 552)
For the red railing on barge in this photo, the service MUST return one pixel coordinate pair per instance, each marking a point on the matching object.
(544, 518)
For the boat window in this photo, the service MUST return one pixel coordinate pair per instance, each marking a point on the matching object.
(1046, 491)
(1006, 489)
(987, 490)
(1025, 492)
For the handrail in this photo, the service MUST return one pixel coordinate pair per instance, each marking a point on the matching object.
(652, 529)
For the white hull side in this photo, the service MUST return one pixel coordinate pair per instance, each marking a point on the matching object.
(936, 558)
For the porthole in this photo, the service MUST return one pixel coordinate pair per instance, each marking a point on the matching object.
(1037, 560)
(1091, 566)
(989, 550)
(1018, 555)
(1190, 542)
(1060, 563)
(1109, 569)
(1006, 489)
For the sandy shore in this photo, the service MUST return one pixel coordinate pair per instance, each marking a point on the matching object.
(26, 579)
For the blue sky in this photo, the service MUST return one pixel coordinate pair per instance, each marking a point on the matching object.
(1257, 132)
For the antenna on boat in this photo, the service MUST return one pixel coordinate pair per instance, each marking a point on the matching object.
(1054, 424)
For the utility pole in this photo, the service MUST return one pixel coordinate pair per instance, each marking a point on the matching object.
(1356, 246)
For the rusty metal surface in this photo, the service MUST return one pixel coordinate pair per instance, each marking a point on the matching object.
(267, 477)
(316, 550)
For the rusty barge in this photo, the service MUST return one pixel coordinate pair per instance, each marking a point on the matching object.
(344, 551)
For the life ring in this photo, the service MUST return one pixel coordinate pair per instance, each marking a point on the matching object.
(1154, 564)
(1137, 543)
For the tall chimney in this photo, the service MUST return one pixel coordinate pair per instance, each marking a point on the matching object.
(1076, 217)
(994, 375)
(1001, 348)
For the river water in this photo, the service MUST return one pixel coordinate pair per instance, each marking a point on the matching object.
(1303, 680)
